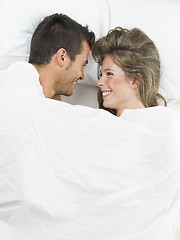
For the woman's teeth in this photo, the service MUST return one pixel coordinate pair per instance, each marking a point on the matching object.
(106, 93)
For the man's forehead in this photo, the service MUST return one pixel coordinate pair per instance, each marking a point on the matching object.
(85, 52)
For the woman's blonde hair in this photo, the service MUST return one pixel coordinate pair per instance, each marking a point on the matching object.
(137, 55)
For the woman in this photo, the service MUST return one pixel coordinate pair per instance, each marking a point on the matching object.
(130, 71)
(128, 83)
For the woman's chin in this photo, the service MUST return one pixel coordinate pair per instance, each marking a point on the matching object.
(106, 105)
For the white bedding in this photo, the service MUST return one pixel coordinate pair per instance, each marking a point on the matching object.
(76, 173)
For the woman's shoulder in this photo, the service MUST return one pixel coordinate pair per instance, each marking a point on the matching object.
(162, 113)
(160, 119)
(158, 111)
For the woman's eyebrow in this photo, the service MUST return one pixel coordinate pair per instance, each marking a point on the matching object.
(108, 69)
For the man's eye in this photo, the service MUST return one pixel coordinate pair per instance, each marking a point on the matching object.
(100, 75)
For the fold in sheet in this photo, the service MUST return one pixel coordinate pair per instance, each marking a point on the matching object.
(72, 172)
(76, 173)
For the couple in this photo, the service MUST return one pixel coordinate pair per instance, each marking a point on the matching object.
(130, 72)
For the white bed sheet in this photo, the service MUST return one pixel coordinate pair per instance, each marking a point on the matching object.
(73, 172)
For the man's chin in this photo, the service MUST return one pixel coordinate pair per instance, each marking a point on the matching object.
(57, 97)
(68, 94)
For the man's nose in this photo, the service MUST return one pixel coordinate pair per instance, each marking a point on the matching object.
(82, 76)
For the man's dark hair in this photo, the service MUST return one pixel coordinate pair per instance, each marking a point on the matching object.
(58, 31)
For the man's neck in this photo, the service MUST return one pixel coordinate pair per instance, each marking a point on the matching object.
(46, 91)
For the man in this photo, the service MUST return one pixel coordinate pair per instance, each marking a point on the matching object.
(59, 51)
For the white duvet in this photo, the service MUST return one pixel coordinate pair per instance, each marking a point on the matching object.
(70, 172)
(77, 173)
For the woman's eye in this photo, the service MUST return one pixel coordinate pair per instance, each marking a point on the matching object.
(109, 73)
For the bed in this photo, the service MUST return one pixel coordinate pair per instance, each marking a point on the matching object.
(71, 171)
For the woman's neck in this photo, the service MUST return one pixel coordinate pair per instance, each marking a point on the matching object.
(133, 105)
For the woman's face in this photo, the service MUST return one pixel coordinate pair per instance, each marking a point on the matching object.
(117, 89)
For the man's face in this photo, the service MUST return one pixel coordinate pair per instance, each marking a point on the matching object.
(73, 72)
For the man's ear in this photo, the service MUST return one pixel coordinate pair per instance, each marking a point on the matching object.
(61, 56)
(135, 82)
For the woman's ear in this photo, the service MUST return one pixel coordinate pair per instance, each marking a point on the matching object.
(136, 81)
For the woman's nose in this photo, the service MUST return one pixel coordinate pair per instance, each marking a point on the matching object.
(100, 82)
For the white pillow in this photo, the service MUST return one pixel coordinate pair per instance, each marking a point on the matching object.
(174, 103)
(19, 18)
(159, 19)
